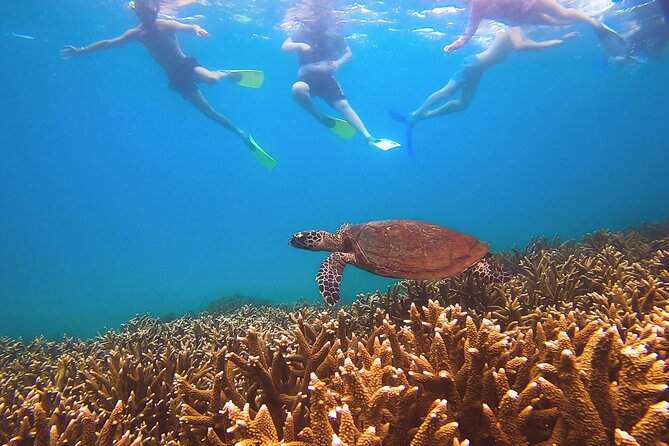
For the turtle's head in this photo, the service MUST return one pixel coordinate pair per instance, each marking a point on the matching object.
(312, 240)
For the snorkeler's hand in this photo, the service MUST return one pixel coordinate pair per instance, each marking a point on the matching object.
(69, 52)
(450, 48)
(201, 32)
(571, 35)
(334, 66)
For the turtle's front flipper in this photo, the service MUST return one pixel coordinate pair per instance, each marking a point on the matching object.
(329, 276)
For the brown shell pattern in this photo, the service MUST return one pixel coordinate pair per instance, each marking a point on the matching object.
(408, 249)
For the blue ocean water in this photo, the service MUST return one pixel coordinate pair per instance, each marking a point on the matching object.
(118, 198)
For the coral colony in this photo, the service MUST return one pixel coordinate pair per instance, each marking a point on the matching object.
(571, 351)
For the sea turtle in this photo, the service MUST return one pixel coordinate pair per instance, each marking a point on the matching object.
(403, 249)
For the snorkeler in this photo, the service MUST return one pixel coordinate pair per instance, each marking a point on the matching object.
(649, 33)
(159, 38)
(534, 12)
(322, 51)
(467, 78)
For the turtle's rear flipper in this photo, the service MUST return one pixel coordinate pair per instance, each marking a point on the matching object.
(329, 276)
(490, 270)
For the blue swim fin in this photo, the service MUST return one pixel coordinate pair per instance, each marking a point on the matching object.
(404, 119)
(399, 117)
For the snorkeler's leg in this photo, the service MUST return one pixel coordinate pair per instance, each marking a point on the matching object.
(468, 90)
(197, 99)
(205, 76)
(556, 11)
(301, 95)
(543, 19)
(211, 77)
(343, 107)
(423, 111)
(611, 40)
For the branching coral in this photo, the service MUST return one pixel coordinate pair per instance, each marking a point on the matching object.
(573, 351)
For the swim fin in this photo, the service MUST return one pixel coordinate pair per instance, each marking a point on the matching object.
(614, 43)
(342, 128)
(399, 117)
(384, 144)
(259, 153)
(408, 129)
(250, 78)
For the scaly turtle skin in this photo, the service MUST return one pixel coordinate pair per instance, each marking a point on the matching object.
(402, 249)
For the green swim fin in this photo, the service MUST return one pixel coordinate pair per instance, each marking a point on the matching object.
(259, 153)
(342, 128)
(384, 144)
(250, 78)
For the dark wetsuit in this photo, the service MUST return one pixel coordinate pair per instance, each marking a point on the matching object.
(182, 78)
(324, 47)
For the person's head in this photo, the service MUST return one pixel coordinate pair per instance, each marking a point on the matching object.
(147, 11)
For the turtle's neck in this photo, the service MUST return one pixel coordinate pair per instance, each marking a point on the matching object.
(332, 242)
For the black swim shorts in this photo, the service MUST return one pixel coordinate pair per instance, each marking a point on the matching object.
(470, 72)
(182, 78)
(323, 85)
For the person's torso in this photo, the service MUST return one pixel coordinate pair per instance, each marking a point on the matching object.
(499, 50)
(324, 47)
(163, 46)
(510, 12)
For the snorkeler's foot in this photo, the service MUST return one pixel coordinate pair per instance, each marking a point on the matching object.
(233, 76)
(614, 43)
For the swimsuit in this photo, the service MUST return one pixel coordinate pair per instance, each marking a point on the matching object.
(323, 85)
(182, 78)
(325, 46)
(470, 72)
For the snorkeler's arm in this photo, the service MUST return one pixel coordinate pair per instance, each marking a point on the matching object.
(175, 26)
(473, 23)
(289, 45)
(72, 51)
(345, 57)
(527, 44)
(533, 45)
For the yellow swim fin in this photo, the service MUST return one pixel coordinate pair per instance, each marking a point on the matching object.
(250, 78)
(342, 128)
(259, 153)
(384, 144)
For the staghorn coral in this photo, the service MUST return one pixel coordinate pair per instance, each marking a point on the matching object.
(572, 351)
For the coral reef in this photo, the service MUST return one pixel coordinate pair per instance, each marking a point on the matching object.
(572, 351)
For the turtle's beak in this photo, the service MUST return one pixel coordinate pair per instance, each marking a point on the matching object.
(298, 240)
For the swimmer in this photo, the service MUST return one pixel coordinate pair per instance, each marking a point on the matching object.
(321, 52)
(534, 12)
(466, 79)
(184, 73)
